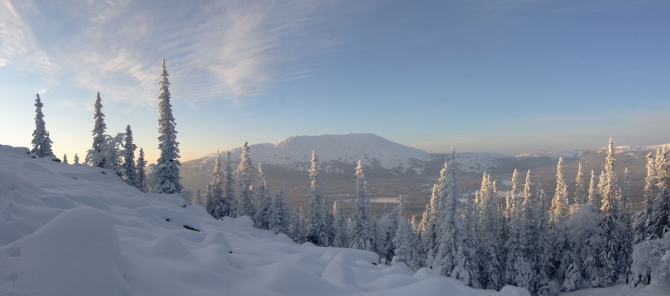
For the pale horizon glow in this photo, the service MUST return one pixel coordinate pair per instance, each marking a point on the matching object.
(481, 76)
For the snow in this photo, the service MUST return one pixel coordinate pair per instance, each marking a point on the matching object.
(471, 162)
(80, 230)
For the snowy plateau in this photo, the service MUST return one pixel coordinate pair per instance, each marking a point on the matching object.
(79, 230)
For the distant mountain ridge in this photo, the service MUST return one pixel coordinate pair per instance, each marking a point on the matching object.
(296, 152)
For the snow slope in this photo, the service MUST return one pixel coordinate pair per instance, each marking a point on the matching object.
(78, 230)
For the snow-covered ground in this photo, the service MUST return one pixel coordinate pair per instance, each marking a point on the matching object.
(78, 230)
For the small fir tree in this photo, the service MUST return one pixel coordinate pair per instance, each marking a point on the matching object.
(41, 140)
(245, 179)
(95, 156)
(141, 172)
(361, 237)
(129, 168)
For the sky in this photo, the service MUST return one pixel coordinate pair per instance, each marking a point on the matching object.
(503, 76)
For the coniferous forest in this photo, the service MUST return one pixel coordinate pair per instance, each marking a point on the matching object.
(588, 238)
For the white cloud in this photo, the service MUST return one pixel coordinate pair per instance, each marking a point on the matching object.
(217, 49)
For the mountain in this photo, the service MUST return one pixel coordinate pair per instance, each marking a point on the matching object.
(296, 153)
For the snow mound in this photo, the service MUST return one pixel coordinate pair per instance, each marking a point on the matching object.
(72, 230)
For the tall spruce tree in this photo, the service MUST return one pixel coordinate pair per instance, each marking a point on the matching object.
(641, 227)
(95, 156)
(340, 225)
(128, 167)
(610, 254)
(581, 195)
(298, 227)
(228, 199)
(41, 140)
(167, 166)
(318, 232)
(141, 172)
(76, 158)
(215, 206)
(281, 213)
(361, 219)
(245, 181)
(517, 269)
(626, 231)
(264, 201)
(65, 159)
(490, 232)
(559, 205)
(405, 242)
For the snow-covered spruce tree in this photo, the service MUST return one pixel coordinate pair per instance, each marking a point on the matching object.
(490, 232)
(95, 156)
(517, 270)
(167, 166)
(594, 192)
(280, 215)
(245, 181)
(470, 226)
(405, 242)
(112, 152)
(610, 253)
(318, 232)
(129, 168)
(640, 228)
(429, 243)
(76, 159)
(386, 228)
(65, 159)
(340, 225)
(141, 172)
(530, 231)
(215, 206)
(361, 236)
(543, 284)
(559, 205)
(625, 226)
(581, 195)
(41, 141)
(264, 200)
(456, 254)
(659, 217)
(228, 199)
(299, 227)
(650, 262)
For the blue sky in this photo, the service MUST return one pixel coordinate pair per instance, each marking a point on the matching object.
(481, 75)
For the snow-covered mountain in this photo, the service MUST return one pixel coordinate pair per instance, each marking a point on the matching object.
(296, 153)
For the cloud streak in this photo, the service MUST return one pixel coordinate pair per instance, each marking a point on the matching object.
(216, 49)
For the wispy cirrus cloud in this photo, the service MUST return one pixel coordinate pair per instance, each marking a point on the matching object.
(214, 49)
